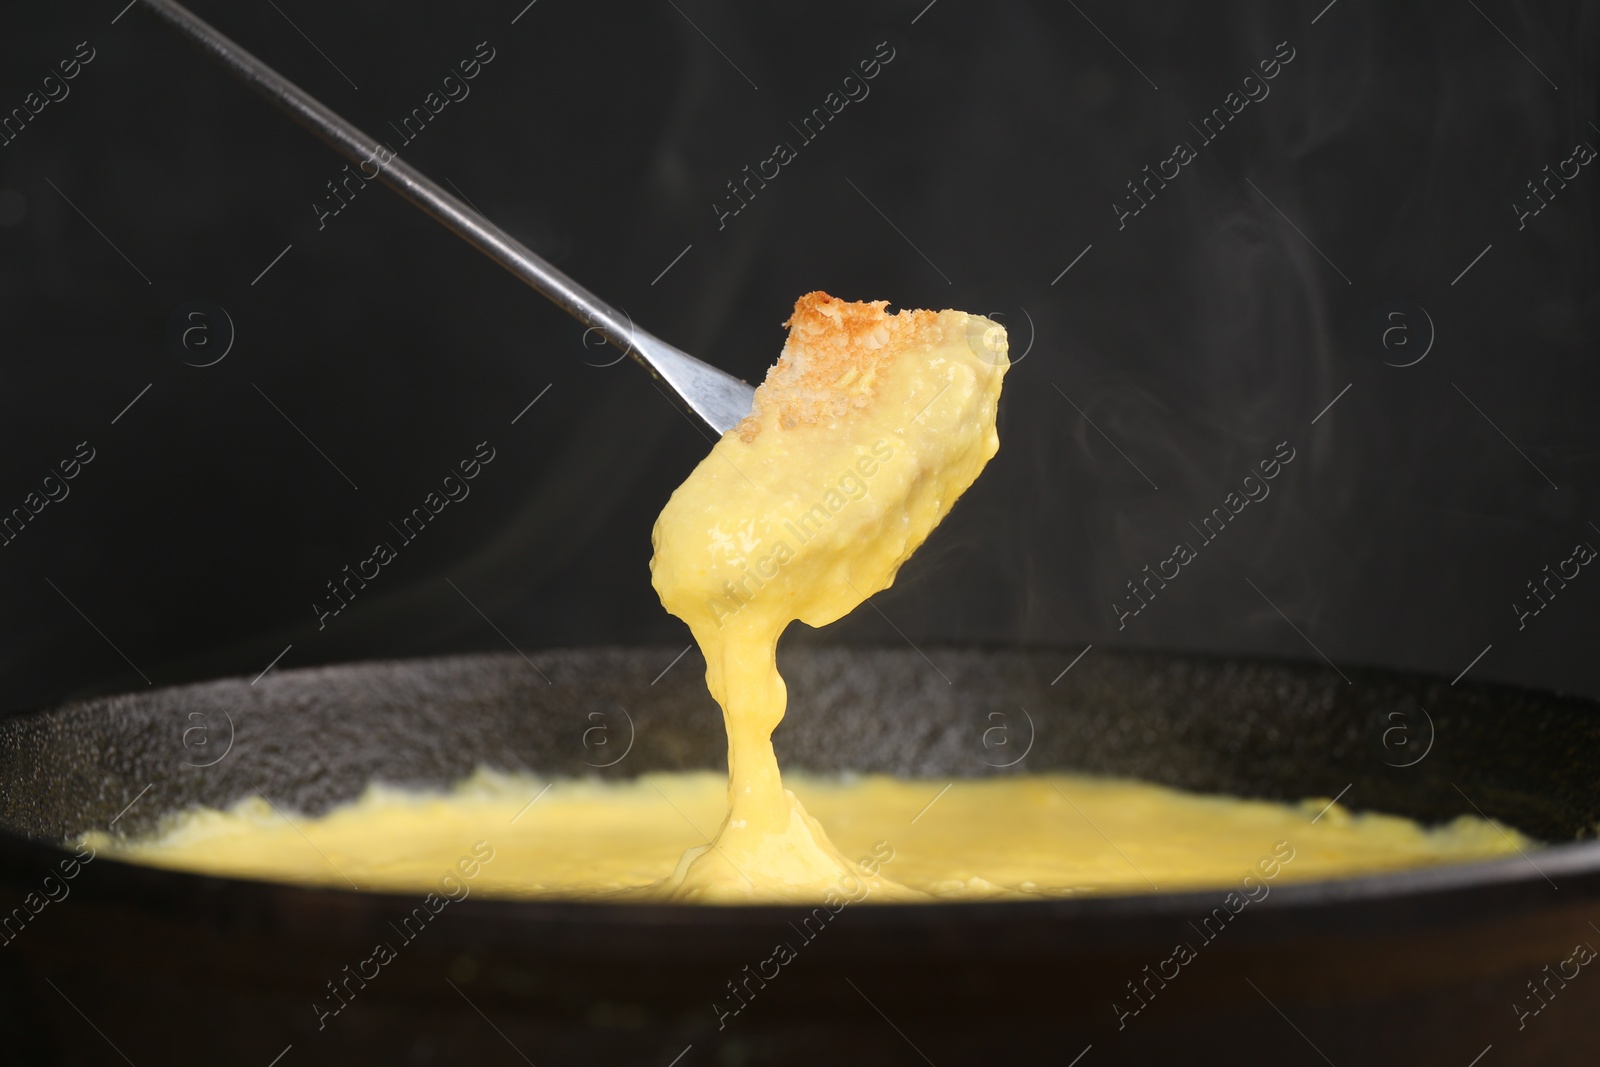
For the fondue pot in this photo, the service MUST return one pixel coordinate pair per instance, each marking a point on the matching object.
(1420, 966)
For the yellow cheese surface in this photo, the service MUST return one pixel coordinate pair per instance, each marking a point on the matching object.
(1015, 837)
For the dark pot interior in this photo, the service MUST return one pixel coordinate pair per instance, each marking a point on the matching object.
(1412, 967)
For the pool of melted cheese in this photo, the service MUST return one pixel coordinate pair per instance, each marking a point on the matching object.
(1020, 837)
(862, 437)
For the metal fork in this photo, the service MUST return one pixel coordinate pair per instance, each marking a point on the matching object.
(716, 396)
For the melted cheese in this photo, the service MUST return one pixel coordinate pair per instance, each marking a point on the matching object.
(1022, 837)
(862, 437)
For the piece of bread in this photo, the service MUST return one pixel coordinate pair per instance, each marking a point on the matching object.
(833, 359)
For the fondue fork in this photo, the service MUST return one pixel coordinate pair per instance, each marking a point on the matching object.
(716, 396)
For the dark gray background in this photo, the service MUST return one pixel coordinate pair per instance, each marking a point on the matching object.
(1195, 339)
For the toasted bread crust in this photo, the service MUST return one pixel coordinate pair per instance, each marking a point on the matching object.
(833, 359)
